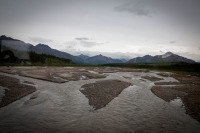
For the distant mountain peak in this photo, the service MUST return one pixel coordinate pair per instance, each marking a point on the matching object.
(147, 56)
(4, 37)
(167, 57)
(168, 54)
(42, 45)
(100, 59)
(84, 57)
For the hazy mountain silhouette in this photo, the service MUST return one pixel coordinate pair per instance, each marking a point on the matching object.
(167, 57)
(100, 59)
(3, 37)
(45, 49)
(83, 57)
(22, 49)
(16, 46)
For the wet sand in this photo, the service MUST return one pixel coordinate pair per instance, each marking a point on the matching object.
(14, 90)
(52, 74)
(102, 92)
(187, 89)
(152, 78)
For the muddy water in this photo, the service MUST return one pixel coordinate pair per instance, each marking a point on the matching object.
(63, 108)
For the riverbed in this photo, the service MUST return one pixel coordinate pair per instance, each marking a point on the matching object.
(61, 107)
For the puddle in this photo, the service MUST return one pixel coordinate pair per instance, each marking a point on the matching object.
(83, 77)
(177, 102)
(2, 92)
(93, 72)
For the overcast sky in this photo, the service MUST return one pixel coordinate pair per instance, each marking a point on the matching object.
(116, 28)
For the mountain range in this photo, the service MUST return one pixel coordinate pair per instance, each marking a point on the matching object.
(16, 45)
(100, 59)
(167, 57)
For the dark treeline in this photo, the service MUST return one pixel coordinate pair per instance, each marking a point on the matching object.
(36, 59)
(47, 59)
(193, 69)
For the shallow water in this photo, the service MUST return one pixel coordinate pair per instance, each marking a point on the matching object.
(63, 108)
(177, 102)
(2, 92)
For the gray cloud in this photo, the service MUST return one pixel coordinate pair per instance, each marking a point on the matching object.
(136, 8)
(69, 47)
(172, 42)
(83, 42)
(161, 51)
(86, 42)
(41, 40)
(70, 44)
(172, 19)
(89, 43)
(82, 38)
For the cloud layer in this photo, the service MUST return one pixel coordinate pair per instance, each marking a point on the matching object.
(130, 26)
(135, 7)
